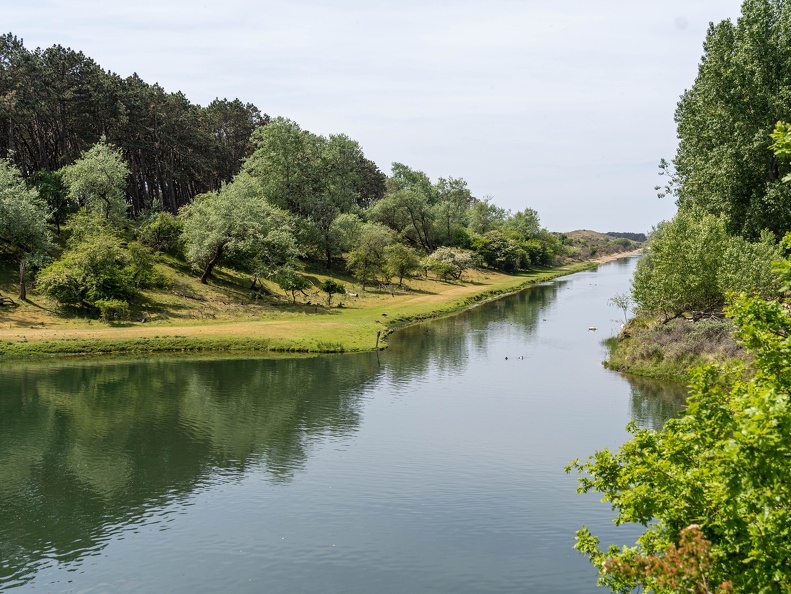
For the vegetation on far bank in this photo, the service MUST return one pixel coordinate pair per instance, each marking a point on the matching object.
(679, 290)
(226, 315)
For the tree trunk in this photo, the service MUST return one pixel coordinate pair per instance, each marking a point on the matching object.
(22, 284)
(11, 145)
(172, 185)
(210, 266)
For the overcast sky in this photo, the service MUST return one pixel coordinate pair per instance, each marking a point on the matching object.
(564, 107)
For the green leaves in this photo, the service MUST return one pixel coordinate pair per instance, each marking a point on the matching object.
(723, 466)
(693, 263)
(782, 139)
(23, 220)
(367, 259)
(99, 271)
(236, 222)
(725, 119)
(97, 181)
(332, 287)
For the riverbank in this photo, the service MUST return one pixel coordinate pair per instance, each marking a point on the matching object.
(225, 318)
(648, 348)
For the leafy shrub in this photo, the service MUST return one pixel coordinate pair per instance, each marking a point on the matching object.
(501, 252)
(694, 263)
(141, 267)
(99, 268)
(96, 268)
(59, 282)
(747, 266)
(112, 309)
(162, 233)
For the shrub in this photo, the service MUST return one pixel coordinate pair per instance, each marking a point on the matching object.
(99, 268)
(501, 252)
(112, 309)
(162, 233)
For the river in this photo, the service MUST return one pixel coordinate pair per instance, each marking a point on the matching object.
(433, 466)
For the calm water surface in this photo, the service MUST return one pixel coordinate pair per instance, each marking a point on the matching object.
(435, 466)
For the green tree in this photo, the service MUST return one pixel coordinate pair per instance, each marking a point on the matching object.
(401, 260)
(544, 249)
(747, 267)
(332, 287)
(161, 232)
(408, 207)
(233, 222)
(286, 165)
(453, 203)
(277, 252)
(337, 191)
(525, 222)
(485, 216)
(500, 252)
(367, 259)
(344, 232)
(721, 468)
(447, 262)
(50, 188)
(56, 103)
(97, 270)
(291, 281)
(681, 271)
(23, 221)
(724, 120)
(97, 180)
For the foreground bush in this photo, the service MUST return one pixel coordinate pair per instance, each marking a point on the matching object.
(712, 487)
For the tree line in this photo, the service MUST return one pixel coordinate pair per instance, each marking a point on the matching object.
(728, 183)
(712, 487)
(131, 170)
(56, 103)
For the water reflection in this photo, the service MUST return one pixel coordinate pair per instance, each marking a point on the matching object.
(446, 345)
(86, 448)
(652, 402)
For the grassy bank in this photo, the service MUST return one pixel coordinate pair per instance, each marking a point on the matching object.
(225, 316)
(669, 351)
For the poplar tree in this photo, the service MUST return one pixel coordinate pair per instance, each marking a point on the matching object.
(742, 89)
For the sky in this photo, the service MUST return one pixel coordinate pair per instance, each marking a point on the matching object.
(563, 107)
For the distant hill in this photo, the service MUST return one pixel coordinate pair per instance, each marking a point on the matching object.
(584, 244)
(633, 236)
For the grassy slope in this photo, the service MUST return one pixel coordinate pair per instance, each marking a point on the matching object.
(223, 316)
